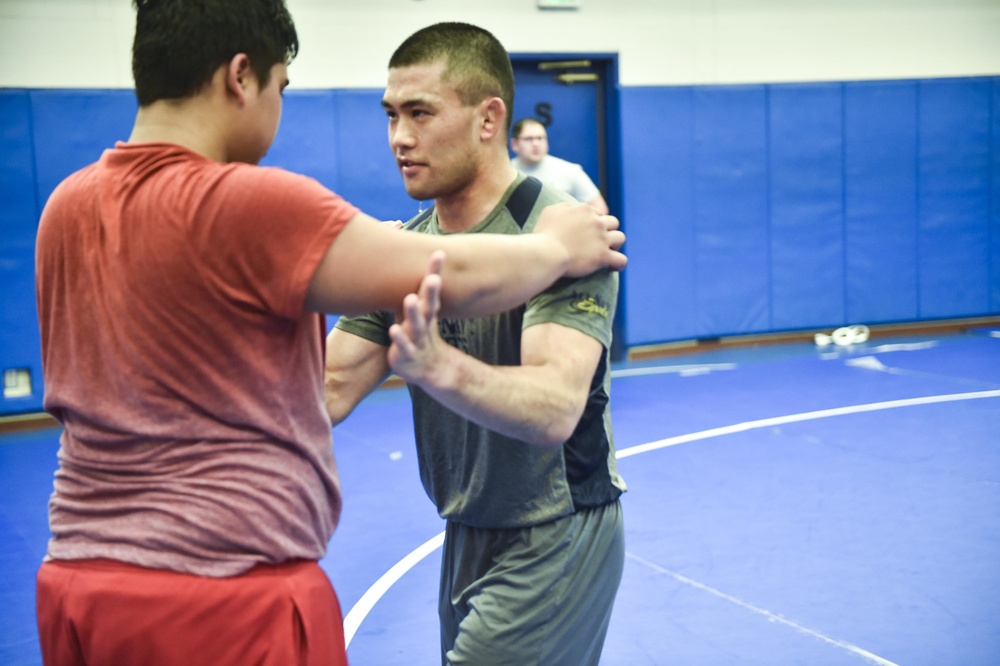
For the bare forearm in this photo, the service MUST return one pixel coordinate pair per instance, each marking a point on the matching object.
(521, 402)
(372, 267)
(342, 393)
(485, 274)
(539, 401)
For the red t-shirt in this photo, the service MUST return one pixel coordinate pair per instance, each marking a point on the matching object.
(178, 357)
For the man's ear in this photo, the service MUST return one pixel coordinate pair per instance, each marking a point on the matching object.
(238, 75)
(494, 115)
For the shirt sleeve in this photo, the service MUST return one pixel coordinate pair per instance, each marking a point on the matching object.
(373, 327)
(584, 189)
(266, 230)
(585, 304)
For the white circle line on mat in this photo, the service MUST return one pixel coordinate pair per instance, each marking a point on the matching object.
(367, 602)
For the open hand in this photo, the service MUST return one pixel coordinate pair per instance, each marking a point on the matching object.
(416, 342)
(591, 240)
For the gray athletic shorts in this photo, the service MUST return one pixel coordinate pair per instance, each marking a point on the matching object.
(533, 595)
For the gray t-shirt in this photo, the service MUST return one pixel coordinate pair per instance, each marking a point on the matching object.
(562, 175)
(476, 476)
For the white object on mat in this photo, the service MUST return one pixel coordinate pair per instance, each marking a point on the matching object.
(844, 336)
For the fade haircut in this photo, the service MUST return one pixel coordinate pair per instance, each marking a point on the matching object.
(476, 63)
(179, 44)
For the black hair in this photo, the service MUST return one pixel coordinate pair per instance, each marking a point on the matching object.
(179, 44)
(475, 61)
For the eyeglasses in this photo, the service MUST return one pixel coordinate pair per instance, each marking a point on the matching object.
(531, 139)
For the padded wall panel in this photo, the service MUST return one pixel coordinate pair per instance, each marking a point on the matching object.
(19, 344)
(954, 197)
(880, 201)
(369, 177)
(658, 217)
(73, 127)
(731, 217)
(805, 139)
(995, 198)
(306, 141)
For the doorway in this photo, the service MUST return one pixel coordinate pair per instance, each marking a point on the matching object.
(576, 97)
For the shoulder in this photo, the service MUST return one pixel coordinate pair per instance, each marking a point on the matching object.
(272, 191)
(78, 180)
(554, 162)
(78, 192)
(553, 195)
(274, 178)
(586, 304)
(547, 196)
(421, 221)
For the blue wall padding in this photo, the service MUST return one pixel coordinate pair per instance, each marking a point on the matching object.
(658, 217)
(880, 201)
(812, 206)
(749, 209)
(954, 201)
(995, 199)
(307, 136)
(371, 181)
(731, 216)
(806, 140)
(340, 138)
(19, 343)
(73, 127)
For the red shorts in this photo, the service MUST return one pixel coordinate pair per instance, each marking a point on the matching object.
(99, 612)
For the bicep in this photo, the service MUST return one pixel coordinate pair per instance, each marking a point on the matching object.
(369, 266)
(570, 356)
(355, 366)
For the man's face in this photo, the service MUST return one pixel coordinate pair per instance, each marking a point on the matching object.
(532, 145)
(433, 135)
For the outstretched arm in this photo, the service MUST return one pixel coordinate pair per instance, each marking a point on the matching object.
(371, 266)
(540, 401)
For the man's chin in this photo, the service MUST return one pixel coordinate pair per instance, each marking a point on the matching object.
(419, 194)
(420, 191)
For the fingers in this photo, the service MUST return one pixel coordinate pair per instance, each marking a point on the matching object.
(415, 323)
(616, 239)
(430, 287)
(402, 351)
(430, 296)
(617, 261)
(436, 262)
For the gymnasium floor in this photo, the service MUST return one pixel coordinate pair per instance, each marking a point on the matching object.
(787, 505)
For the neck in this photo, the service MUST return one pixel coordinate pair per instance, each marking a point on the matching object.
(197, 123)
(470, 205)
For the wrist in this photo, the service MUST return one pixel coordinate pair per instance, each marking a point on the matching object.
(555, 251)
(445, 372)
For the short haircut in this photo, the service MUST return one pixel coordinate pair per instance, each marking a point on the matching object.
(179, 44)
(476, 63)
(518, 127)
